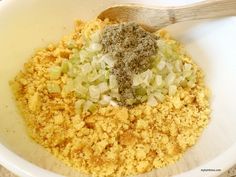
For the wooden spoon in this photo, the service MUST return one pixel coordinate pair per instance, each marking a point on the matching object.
(153, 18)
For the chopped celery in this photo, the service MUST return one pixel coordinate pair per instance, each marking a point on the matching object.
(105, 100)
(170, 78)
(158, 80)
(71, 44)
(94, 92)
(79, 105)
(95, 47)
(103, 87)
(64, 67)
(54, 72)
(81, 91)
(143, 78)
(53, 88)
(93, 108)
(86, 68)
(108, 60)
(112, 82)
(95, 37)
(152, 101)
(89, 106)
(140, 91)
(172, 90)
(159, 96)
(161, 65)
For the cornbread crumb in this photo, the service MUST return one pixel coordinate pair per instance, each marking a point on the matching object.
(114, 141)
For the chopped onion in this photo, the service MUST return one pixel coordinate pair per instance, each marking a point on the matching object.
(172, 90)
(151, 101)
(79, 105)
(113, 103)
(161, 65)
(137, 80)
(143, 78)
(89, 106)
(54, 72)
(105, 100)
(94, 92)
(103, 87)
(95, 37)
(86, 68)
(81, 90)
(53, 88)
(187, 67)
(159, 96)
(112, 82)
(64, 67)
(158, 80)
(95, 47)
(170, 78)
(108, 60)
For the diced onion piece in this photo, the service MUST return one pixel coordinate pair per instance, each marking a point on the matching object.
(137, 80)
(103, 87)
(108, 60)
(95, 37)
(71, 44)
(79, 105)
(89, 106)
(84, 54)
(158, 80)
(143, 78)
(64, 67)
(113, 103)
(95, 47)
(54, 72)
(53, 88)
(152, 101)
(68, 87)
(74, 57)
(86, 68)
(187, 67)
(169, 67)
(72, 71)
(95, 63)
(105, 100)
(170, 78)
(172, 90)
(94, 92)
(147, 76)
(159, 96)
(191, 83)
(161, 65)
(81, 90)
(113, 82)
(178, 65)
(140, 91)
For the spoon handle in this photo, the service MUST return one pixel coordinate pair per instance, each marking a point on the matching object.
(203, 10)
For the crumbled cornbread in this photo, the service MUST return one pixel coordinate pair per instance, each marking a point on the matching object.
(113, 141)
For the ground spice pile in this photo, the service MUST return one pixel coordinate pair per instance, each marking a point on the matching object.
(132, 48)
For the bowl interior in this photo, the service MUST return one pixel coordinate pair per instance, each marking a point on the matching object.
(28, 25)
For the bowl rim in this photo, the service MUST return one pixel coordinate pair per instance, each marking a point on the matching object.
(23, 168)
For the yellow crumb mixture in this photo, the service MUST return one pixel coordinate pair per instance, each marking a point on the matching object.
(114, 140)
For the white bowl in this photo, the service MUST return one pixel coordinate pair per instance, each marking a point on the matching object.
(26, 25)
